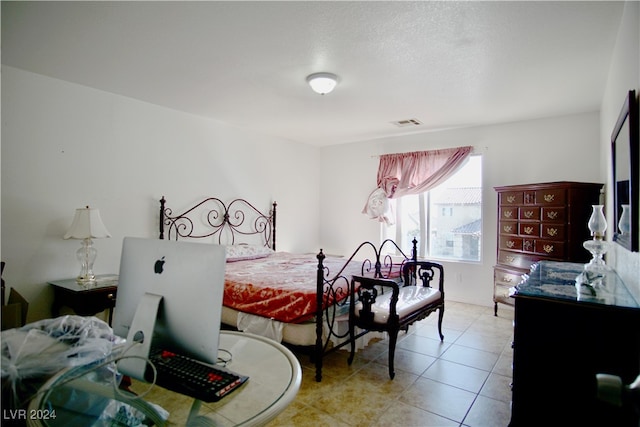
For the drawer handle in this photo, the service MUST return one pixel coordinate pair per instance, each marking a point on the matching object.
(511, 244)
(528, 230)
(552, 232)
(552, 214)
(548, 248)
(511, 199)
(507, 279)
(111, 296)
(549, 198)
(507, 214)
(508, 228)
(528, 245)
(528, 214)
(509, 258)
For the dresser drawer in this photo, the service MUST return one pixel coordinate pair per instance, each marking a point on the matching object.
(529, 213)
(518, 260)
(529, 229)
(501, 294)
(506, 277)
(509, 213)
(552, 231)
(513, 243)
(508, 227)
(551, 196)
(510, 198)
(549, 248)
(553, 214)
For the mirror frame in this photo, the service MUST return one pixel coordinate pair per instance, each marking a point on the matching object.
(629, 116)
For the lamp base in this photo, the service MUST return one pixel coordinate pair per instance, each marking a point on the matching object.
(598, 249)
(86, 279)
(87, 256)
(592, 278)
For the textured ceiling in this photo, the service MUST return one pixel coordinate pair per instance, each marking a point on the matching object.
(446, 64)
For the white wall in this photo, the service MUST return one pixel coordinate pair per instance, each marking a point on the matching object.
(556, 149)
(624, 75)
(65, 146)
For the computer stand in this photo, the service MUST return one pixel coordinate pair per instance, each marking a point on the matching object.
(134, 361)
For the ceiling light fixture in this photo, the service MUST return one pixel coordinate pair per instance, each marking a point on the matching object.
(322, 83)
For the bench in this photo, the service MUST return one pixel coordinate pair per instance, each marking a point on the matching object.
(385, 305)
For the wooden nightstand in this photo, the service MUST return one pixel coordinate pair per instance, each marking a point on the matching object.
(85, 300)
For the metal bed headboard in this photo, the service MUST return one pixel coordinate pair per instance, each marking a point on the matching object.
(227, 223)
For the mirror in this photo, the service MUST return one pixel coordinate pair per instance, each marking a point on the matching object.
(625, 155)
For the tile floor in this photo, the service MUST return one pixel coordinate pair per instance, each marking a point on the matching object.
(463, 381)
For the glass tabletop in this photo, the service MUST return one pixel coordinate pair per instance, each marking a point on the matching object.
(86, 396)
(563, 280)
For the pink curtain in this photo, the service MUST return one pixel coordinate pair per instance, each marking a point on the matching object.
(412, 173)
(417, 172)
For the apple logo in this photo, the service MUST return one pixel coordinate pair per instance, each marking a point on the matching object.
(158, 267)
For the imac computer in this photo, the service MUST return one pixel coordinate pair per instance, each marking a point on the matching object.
(169, 294)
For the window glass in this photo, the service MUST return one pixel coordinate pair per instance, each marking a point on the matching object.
(447, 220)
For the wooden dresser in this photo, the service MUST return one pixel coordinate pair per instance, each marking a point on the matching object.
(564, 336)
(546, 221)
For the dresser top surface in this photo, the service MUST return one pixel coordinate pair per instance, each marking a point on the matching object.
(561, 281)
(547, 185)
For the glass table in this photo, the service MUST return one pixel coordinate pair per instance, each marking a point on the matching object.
(86, 396)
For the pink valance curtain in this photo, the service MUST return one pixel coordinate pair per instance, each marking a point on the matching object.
(417, 172)
(412, 173)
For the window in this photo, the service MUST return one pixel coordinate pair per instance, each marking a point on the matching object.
(447, 220)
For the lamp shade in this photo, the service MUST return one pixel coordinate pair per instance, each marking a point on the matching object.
(87, 224)
(322, 83)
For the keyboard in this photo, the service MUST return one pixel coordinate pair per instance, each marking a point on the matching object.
(191, 377)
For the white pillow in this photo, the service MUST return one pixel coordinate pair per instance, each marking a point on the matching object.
(244, 252)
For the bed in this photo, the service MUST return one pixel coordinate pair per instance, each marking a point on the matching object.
(301, 300)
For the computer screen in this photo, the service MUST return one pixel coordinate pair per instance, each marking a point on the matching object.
(188, 280)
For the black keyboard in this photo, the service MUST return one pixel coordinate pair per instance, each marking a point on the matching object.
(191, 377)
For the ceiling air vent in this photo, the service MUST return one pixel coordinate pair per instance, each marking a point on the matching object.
(407, 122)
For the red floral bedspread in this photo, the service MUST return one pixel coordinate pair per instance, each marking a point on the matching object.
(281, 286)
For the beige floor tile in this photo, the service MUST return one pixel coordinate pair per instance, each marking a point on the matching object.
(497, 387)
(408, 361)
(488, 412)
(454, 374)
(438, 398)
(423, 345)
(300, 415)
(471, 357)
(403, 415)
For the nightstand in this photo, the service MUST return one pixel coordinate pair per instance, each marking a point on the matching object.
(85, 299)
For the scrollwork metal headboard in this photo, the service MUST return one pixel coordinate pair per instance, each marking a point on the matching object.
(211, 217)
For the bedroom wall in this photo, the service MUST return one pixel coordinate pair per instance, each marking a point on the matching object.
(65, 146)
(555, 149)
(624, 75)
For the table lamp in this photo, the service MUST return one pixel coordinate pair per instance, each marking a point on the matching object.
(87, 225)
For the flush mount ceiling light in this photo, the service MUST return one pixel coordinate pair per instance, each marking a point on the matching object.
(322, 83)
